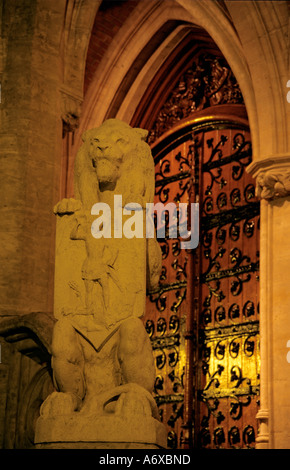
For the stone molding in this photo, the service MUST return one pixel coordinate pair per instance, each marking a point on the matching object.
(272, 176)
(30, 333)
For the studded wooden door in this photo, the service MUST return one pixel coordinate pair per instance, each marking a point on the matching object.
(203, 318)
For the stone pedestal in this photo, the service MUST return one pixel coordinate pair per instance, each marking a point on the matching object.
(77, 431)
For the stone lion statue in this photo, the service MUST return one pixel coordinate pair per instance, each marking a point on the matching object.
(101, 355)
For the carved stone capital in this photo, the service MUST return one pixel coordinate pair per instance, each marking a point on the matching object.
(272, 184)
(272, 176)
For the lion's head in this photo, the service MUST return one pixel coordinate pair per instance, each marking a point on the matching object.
(115, 157)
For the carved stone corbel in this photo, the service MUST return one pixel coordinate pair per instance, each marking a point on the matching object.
(272, 177)
(70, 111)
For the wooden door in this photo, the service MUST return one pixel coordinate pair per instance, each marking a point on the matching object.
(203, 320)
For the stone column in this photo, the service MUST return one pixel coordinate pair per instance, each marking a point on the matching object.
(273, 186)
(30, 146)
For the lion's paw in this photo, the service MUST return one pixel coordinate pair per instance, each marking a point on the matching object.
(67, 206)
(130, 404)
(58, 403)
